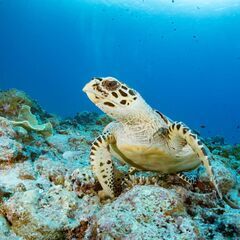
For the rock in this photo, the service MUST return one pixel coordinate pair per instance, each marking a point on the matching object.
(103, 120)
(225, 176)
(12, 100)
(86, 118)
(229, 224)
(59, 142)
(26, 171)
(51, 169)
(38, 214)
(216, 141)
(146, 212)
(4, 227)
(5, 230)
(92, 118)
(71, 155)
(224, 150)
(6, 128)
(10, 150)
(21, 132)
(81, 181)
(21, 176)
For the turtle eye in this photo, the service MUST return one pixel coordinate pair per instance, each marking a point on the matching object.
(110, 85)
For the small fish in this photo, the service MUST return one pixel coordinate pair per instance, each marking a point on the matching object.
(238, 126)
(202, 126)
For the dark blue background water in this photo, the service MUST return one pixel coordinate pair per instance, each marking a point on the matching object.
(185, 64)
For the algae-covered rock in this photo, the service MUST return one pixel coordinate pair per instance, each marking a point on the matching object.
(86, 118)
(59, 142)
(92, 118)
(54, 171)
(38, 214)
(4, 226)
(225, 176)
(12, 100)
(9, 149)
(146, 212)
(81, 181)
(29, 121)
(5, 230)
(20, 176)
(6, 128)
(229, 224)
(16, 106)
(71, 155)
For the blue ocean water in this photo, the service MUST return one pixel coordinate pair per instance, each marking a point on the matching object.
(183, 57)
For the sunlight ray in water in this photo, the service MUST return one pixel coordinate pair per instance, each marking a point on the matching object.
(150, 149)
(186, 6)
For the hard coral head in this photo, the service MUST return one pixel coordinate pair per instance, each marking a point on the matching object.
(111, 96)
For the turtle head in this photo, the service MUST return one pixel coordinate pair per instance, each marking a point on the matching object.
(113, 97)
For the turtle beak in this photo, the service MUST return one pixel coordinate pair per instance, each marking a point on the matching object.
(88, 87)
(91, 93)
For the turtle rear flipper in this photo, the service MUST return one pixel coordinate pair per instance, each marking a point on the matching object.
(187, 179)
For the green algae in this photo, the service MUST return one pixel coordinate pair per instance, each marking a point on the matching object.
(30, 122)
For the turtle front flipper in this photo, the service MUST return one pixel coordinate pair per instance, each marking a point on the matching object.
(102, 164)
(179, 130)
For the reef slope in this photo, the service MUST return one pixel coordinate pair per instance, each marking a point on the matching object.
(47, 190)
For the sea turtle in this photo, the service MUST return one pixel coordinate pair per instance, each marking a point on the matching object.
(141, 136)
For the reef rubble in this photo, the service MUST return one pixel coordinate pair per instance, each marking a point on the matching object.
(48, 191)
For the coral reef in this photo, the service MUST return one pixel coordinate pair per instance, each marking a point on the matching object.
(48, 191)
